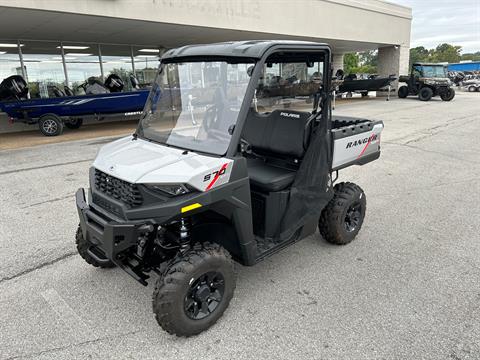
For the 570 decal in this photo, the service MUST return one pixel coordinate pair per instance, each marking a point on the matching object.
(213, 177)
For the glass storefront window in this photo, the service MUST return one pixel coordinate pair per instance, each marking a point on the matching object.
(116, 59)
(146, 64)
(43, 69)
(49, 76)
(9, 59)
(82, 63)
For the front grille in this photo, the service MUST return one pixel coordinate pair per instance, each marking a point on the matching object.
(106, 205)
(118, 189)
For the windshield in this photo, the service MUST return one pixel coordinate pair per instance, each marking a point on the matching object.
(433, 71)
(195, 105)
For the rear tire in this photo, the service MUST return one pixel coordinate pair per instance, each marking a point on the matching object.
(194, 291)
(403, 92)
(82, 248)
(342, 218)
(472, 89)
(425, 94)
(73, 124)
(448, 95)
(50, 125)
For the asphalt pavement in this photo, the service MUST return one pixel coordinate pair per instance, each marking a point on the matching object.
(407, 288)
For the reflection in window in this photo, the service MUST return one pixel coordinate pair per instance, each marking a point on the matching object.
(82, 63)
(117, 60)
(9, 60)
(43, 69)
(146, 64)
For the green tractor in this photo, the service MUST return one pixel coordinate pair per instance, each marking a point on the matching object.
(425, 81)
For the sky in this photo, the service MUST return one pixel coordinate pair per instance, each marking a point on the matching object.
(456, 22)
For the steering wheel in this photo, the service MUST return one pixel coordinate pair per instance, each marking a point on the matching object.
(208, 122)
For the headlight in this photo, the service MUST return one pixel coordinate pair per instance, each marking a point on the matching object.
(169, 189)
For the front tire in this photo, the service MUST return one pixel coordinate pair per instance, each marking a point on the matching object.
(425, 94)
(50, 125)
(472, 88)
(342, 218)
(403, 92)
(194, 291)
(448, 95)
(83, 247)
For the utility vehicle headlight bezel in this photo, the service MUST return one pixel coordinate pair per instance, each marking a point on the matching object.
(170, 190)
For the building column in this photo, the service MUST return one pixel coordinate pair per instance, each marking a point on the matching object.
(337, 62)
(393, 60)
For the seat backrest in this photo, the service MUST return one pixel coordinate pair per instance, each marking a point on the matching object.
(282, 132)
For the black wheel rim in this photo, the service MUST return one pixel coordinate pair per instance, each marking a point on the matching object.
(204, 295)
(352, 217)
(49, 126)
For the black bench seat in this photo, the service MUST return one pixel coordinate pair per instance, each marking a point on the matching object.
(278, 141)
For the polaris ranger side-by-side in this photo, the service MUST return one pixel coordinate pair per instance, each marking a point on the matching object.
(426, 81)
(219, 169)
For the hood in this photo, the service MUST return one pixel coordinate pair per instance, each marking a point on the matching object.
(130, 160)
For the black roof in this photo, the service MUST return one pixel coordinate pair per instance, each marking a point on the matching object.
(248, 49)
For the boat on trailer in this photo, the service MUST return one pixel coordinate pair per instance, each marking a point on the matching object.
(51, 114)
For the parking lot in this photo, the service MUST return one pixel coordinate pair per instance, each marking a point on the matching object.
(406, 288)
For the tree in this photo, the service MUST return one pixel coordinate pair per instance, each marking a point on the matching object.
(446, 53)
(442, 53)
(369, 58)
(471, 56)
(360, 63)
(419, 54)
(350, 62)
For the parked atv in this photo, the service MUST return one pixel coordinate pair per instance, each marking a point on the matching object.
(208, 180)
(426, 81)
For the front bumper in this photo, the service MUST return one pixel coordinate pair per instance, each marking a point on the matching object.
(109, 238)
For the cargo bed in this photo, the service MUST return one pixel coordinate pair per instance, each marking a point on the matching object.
(356, 141)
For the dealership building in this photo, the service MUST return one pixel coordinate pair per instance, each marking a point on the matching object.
(53, 43)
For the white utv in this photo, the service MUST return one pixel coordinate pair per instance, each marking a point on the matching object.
(233, 159)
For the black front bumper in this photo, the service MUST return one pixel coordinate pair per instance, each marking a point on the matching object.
(110, 238)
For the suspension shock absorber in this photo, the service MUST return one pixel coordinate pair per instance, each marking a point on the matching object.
(184, 233)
